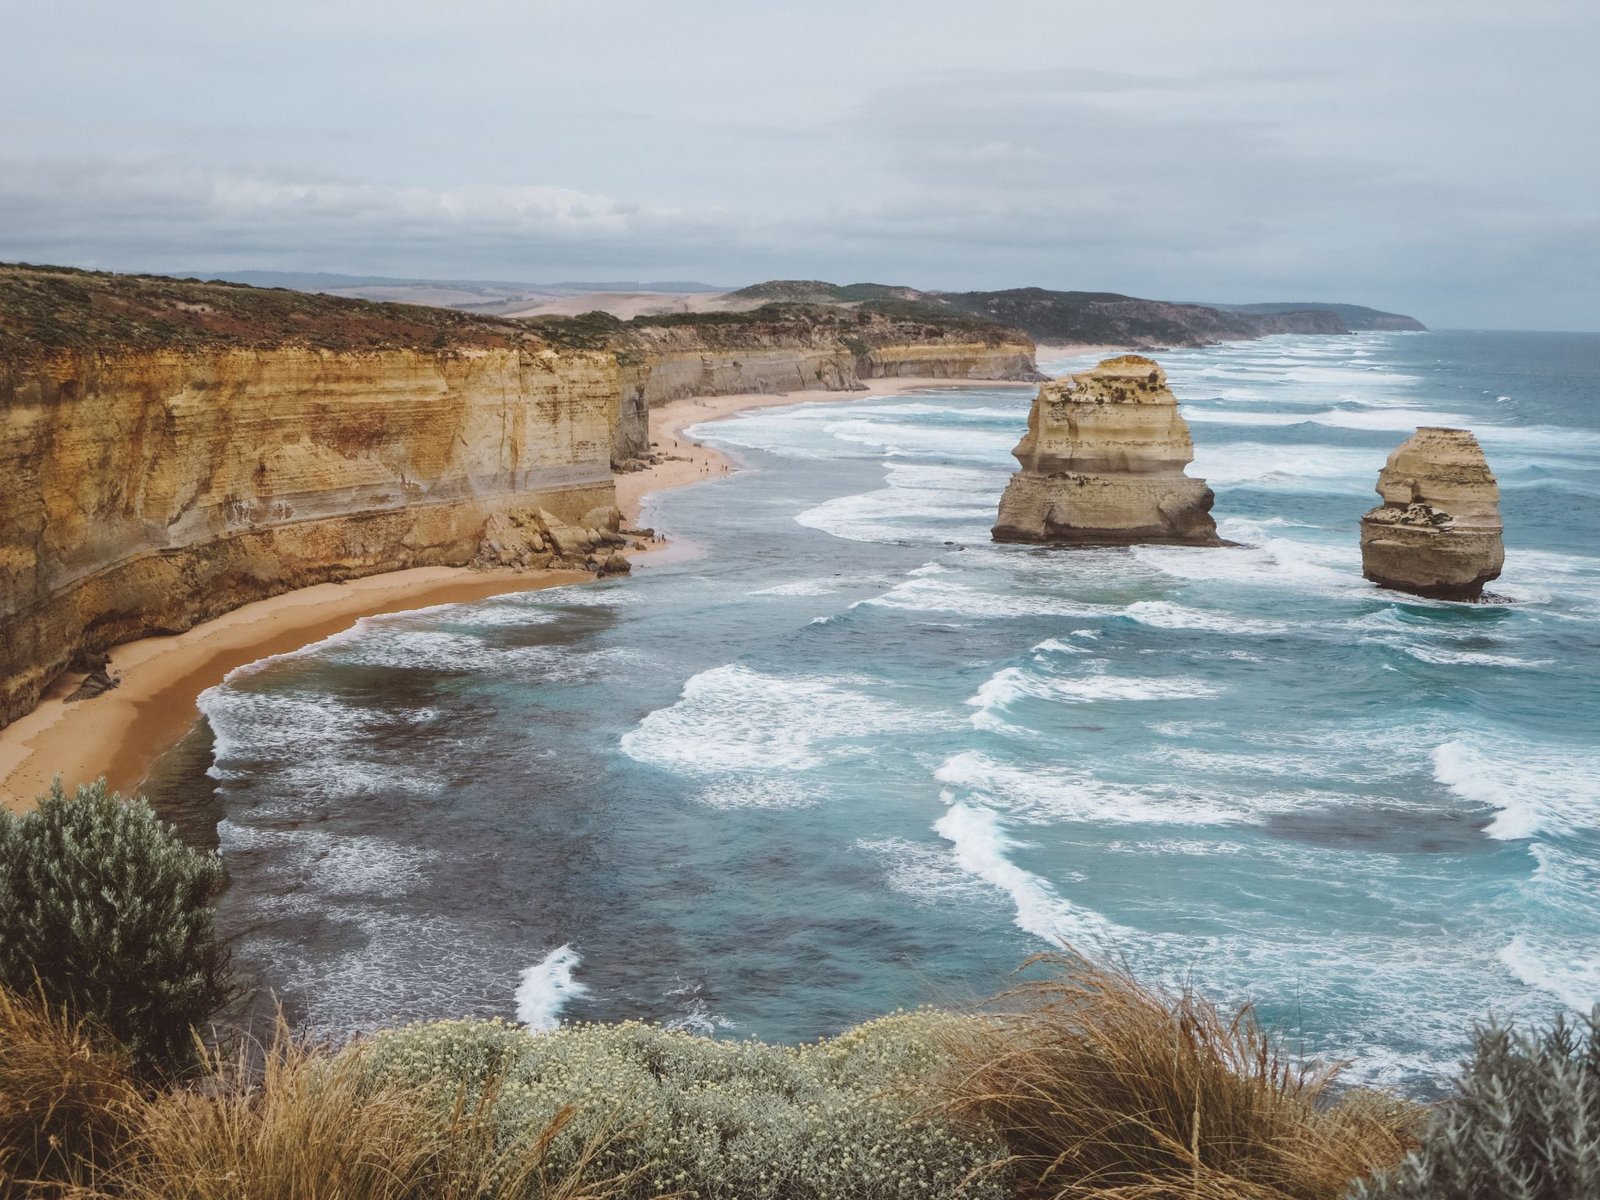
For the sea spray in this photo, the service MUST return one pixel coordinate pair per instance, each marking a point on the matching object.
(547, 986)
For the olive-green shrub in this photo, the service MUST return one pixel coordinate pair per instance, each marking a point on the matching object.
(842, 1119)
(107, 913)
(1523, 1123)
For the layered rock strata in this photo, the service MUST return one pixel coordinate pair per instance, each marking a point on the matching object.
(801, 351)
(1438, 531)
(144, 491)
(1103, 464)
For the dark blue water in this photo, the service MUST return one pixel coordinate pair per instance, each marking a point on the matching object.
(854, 756)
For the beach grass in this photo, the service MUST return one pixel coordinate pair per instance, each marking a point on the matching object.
(1100, 1085)
(1082, 1083)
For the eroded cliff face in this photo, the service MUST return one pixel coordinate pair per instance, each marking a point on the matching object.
(829, 352)
(143, 491)
(1438, 531)
(1103, 464)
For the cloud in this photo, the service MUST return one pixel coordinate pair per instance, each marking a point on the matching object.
(1433, 158)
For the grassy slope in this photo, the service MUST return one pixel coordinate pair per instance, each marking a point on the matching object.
(48, 309)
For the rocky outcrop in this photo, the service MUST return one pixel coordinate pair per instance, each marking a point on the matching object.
(1103, 464)
(165, 457)
(534, 539)
(1438, 531)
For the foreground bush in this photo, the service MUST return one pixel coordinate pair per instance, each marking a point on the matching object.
(105, 910)
(844, 1119)
(1523, 1124)
(295, 1125)
(67, 1101)
(1099, 1086)
(1084, 1085)
(312, 1125)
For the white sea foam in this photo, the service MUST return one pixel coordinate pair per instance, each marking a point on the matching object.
(938, 595)
(904, 440)
(322, 864)
(927, 875)
(1539, 790)
(1045, 795)
(1011, 684)
(1163, 614)
(1296, 467)
(980, 846)
(547, 986)
(255, 729)
(1440, 656)
(1568, 969)
(734, 719)
(1057, 646)
(1273, 562)
(920, 502)
(800, 587)
(1333, 418)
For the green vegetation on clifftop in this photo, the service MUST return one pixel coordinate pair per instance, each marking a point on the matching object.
(49, 309)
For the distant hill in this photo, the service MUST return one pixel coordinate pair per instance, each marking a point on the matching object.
(1084, 318)
(1081, 318)
(815, 291)
(323, 281)
(1108, 318)
(1356, 316)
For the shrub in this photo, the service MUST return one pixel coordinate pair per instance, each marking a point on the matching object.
(106, 912)
(841, 1119)
(1100, 1086)
(1522, 1124)
(303, 1123)
(66, 1100)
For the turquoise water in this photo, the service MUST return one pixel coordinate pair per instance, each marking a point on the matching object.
(854, 756)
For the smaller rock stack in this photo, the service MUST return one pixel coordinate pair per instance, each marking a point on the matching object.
(1438, 531)
(1103, 464)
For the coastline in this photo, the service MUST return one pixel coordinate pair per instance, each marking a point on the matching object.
(121, 733)
(686, 461)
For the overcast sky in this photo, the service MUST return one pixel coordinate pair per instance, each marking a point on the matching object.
(1438, 158)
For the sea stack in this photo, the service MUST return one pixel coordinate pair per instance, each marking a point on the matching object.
(1102, 464)
(1438, 531)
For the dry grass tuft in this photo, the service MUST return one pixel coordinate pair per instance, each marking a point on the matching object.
(1102, 1087)
(311, 1124)
(67, 1100)
(298, 1125)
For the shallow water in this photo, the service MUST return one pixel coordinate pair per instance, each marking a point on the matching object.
(858, 757)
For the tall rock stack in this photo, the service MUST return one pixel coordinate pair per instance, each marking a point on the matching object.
(1103, 464)
(1438, 531)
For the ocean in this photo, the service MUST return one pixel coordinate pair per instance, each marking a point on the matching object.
(848, 755)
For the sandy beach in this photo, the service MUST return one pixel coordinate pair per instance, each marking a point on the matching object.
(121, 733)
(687, 461)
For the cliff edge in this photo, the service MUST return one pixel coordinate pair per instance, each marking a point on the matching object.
(1103, 464)
(171, 450)
(783, 347)
(1438, 531)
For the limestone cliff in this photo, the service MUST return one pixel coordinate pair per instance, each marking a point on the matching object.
(784, 348)
(1438, 531)
(1103, 464)
(170, 451)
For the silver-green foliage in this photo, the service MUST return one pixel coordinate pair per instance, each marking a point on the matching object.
(109, 912)
(840, 1119)
(1523, 1123)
